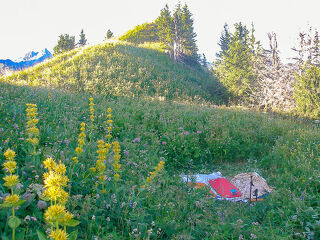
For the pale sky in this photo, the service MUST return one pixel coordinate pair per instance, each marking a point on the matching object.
(27, 25)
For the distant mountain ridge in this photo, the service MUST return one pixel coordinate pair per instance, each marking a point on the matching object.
(30, 59)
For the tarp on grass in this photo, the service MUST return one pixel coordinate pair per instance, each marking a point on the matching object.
(236, 188)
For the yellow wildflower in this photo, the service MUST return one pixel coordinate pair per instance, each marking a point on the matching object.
(83, 124)
(60, 169)
(11, 180)
(92, 169)
(54, 213)
(116, 177)
(10, 166)
(49, 163)
(59, 234)
(66, 218)
(9, 154)
(148, 179)
(109, 110)
(79, 150)
(75, 160)
(12, 199)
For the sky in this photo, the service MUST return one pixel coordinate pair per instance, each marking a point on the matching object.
(32, 25)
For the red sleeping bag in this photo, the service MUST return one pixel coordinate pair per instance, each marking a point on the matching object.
(224, 188)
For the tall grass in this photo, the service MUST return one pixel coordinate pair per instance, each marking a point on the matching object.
(284, 151)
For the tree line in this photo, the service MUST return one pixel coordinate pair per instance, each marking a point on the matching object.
(67, 42)
(256, 76)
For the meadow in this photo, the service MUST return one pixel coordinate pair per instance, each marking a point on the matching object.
(284, 151)
(96, 159)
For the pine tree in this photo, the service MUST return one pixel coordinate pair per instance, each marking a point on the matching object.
(224, 41)
(65, 43)
(188, 38)
(83, 40)
(235, 69)
(109, 34)
(166, 29)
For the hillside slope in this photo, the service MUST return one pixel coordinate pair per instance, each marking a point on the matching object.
(120, 69)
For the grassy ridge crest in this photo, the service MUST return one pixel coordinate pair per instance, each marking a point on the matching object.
(120, 69)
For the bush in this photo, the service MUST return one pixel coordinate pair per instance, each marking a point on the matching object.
(307, 91)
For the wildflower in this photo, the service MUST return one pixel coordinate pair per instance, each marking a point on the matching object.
(49, 163)
(12, 199)
(54, 213)
(136, 140)
(9, 154)
(11, 180)
(91, 110)
(164, 143)
(116, 176)
(58, 234)
(79, 150)
(186, 133)
(10, 166)
(41, 205)
(60, 169)
(31, 129)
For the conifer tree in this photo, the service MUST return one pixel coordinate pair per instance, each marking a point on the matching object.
(65, 43)
(166, 29)
(188, 38)
(177, 33)
(224, 41)
(109, 34)
(236, 67)
(83, 40)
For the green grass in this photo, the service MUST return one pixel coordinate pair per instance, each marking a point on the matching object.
(121, 69)
(285, 151)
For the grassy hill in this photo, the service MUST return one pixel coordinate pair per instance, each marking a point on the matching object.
(126, 78)
(121, 69)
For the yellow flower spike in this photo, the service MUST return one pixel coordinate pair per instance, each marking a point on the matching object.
(59, 234)
(54, 213)
(116, 176)
(109, 110)
(109, 121)
(12, 199)
(148, 179)
(75, 160)
(60, 169)
(101, 178)
(9, 154)
(92, 169)
(83, 124)
(11, 181)
(10, 166)
(79, 150)
(49, 163)
(109, 116)
(108, 136)
(91, 99)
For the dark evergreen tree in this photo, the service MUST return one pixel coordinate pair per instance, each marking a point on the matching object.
(177, 33)
(65, 43)
(166, 29)
(224, 41)
(109, 34)
(188, 36)
(83, 40)
(236, 66)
